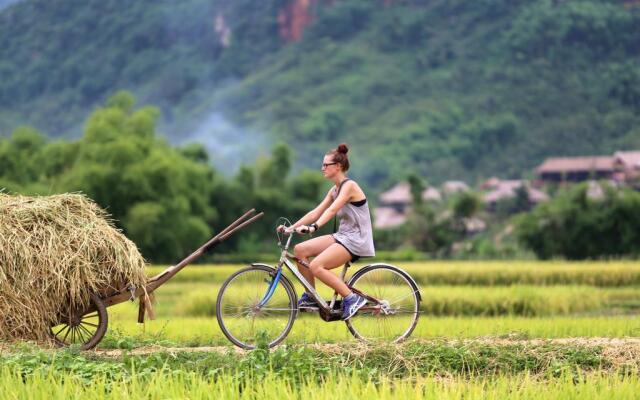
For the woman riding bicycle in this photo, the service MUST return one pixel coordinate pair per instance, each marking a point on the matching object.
(354, 238)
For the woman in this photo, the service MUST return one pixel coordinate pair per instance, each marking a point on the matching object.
(354, 238)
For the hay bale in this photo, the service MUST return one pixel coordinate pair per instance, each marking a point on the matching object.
(55, 250)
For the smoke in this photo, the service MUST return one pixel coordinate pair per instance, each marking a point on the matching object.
(228, 145)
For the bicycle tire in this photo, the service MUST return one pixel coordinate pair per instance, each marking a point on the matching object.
(239, 318)
(382, 281)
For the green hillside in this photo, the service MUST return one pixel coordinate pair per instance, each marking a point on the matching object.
(450, 89)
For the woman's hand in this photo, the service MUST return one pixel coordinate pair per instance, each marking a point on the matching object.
(303, 229)
(285, 229)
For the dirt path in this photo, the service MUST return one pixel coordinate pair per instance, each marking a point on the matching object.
(626, 347)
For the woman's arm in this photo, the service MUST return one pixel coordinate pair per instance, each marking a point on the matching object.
(314, 214)
(345, 196)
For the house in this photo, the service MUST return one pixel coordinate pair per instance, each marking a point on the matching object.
(507, 189)
(399, 197)
(627, 165)
(453, 187)
(395, 204)
(387, 217)
(576, 169)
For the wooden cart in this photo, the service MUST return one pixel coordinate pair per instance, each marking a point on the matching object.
(87, 327)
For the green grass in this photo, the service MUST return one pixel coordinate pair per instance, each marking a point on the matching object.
(478, 273)
(416, 369)
(194, 387)
(457, 288)
(524, 300)
(311, 329)
(453, 306)
(320, 360)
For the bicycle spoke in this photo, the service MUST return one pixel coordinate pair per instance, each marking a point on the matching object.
(403, 297)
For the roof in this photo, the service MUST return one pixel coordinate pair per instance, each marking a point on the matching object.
(575, 164)
(507, 190)
(431, 194)
(450, 187)
(490, 183)
(629, 159)
(401, 193)
(387, 217)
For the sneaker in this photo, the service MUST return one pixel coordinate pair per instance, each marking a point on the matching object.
(306, 301)
(351, 304)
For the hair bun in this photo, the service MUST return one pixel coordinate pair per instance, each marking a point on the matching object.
(342, 148)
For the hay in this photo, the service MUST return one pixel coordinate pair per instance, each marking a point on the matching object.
(54, 251)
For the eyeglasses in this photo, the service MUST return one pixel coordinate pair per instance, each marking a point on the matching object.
(325, 165)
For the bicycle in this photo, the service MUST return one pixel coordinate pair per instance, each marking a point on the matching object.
(259, 301)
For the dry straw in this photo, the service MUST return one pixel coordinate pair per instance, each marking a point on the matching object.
(54, 251)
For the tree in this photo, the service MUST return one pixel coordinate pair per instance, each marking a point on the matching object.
(576, 226)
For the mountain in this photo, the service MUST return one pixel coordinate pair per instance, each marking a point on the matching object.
(448, 89)
(6, 3)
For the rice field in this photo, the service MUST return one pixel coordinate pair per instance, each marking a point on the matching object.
(192, 386)
(460, 300)
(469, 310)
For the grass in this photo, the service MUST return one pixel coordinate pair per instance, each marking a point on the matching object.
(195, 387)
(193, 291)
(415, 357)
(524, 300)
(416, 369)
(185, 305)
(311, 329)
(473, 343)
(477, 273)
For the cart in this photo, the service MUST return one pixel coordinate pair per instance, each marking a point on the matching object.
(87, 326)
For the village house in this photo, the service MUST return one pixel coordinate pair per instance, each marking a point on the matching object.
(576, 169)
(622, 167)
(627, 164)
(396, 202)
(500, 190)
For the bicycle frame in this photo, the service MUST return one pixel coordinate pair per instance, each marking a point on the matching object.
(327, 310)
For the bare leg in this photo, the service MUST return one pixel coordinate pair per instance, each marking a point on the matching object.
(334, 256)
(311, 248)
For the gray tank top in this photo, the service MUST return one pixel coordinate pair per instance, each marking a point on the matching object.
(355, 232)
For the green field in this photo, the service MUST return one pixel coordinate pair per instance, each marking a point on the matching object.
(487, 330)
(192, 386)
(460, 300)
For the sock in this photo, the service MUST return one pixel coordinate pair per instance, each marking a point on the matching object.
(350, 296)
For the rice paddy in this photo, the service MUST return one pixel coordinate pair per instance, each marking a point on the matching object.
(487, 330)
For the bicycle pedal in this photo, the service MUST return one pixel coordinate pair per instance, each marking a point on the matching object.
(308, 309)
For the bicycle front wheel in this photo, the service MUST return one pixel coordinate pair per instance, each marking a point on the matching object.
(395, 314)
(241, 316)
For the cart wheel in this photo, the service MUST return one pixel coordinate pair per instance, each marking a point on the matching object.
(83, 328)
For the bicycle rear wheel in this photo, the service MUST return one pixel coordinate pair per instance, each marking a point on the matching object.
(394, 317)
(241, 317)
